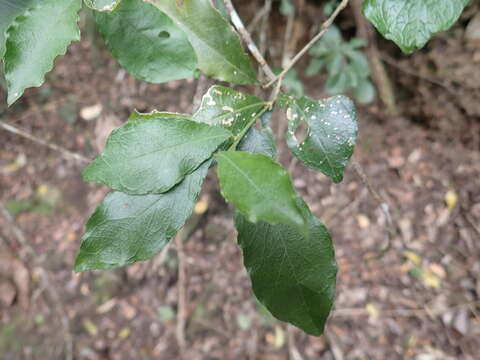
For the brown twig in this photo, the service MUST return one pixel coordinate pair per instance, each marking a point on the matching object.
(292, 347)
(422, 312)
(384, 207)
(182, 296)
(387, 59)
(335, 347)
(66, 153)
(288, 35)
(247, 38)
(307, 47)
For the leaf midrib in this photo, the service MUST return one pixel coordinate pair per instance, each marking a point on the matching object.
(205, 42)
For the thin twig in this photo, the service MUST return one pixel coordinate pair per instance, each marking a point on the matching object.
(256, 19)
(384, 207)
(292, 347)
(335, 347)
(247, 38)
(307, 47)
(416, 74)
(422, 312)
(182, 296)
(288, 36)
(66, 153)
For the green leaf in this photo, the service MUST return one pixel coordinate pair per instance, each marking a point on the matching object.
(228, 108)
(153, 152)
(102, 5)
(315, 66)
(35, 39)
(337, 83)
(332, 132)
(286, 7)
(293, 83)
(293, 272)
(259, 142)
(359, 63)
(276, 254)
(129, 228)
(259, 188)
(9, 10)
(217, 45)
(147, 43)
(411, 23)
(364, 92)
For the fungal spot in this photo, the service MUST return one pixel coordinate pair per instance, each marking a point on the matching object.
(300, 134)
(289, 114)
(228, 121)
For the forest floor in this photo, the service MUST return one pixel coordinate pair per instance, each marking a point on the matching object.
(408, 287)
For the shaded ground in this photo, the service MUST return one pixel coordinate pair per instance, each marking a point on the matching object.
(417, 300)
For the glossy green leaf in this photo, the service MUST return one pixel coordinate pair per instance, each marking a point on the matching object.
(102, 5)
(129, 228)
(35, 39)
(331, 135)
(259, 142)
(147, 43)
(228, 108)
(153, 152)
(411, 23)
(260, 189)
(293, 272)
(217, 45)
(9, 10)
(300, 263)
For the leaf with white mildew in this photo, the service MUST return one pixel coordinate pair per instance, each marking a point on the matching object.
(330, 136)
(102, 5)
(228, 108)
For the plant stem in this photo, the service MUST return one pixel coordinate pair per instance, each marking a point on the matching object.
(252, 47)
(240, 136)
(55, 147)
(307, 47)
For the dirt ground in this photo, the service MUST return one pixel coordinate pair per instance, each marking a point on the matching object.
(409, 279)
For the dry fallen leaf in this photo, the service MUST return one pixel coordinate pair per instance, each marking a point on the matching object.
(413, 257)
(89, 113)
(363, 221)
(451, 199)
(372, 310)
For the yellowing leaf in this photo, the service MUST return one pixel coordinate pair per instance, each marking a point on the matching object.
(451, 199)
(372, 310)
(413, 257)
(124, 333)
(430, 280)
(42, 190)
(279, 337)
(90, 327)
(363, 221)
